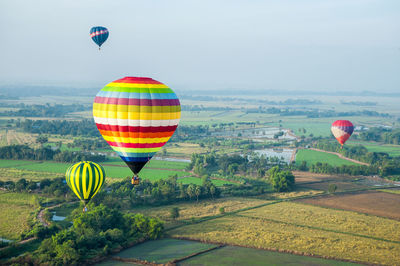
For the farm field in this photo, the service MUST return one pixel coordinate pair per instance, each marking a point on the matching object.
(151, 164)
(328, 219)
(203, 208)
(261, 233)
(111, 171)
(116, 263)
(164, 250)
(372, 202)
(341, 186)
(312, 157)
(391, 149)
(231, 255)
(12, 174)
(394, 191)
(16, 208)
(13, 163)
(184, 150)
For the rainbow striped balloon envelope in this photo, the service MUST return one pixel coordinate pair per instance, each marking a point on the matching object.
(136, 116)
(342, 130)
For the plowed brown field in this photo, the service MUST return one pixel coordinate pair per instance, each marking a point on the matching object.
(371, 202)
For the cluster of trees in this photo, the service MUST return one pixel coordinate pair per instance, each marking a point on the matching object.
(47, 110)
(390, 136)
(93, 233)
(55, 187)
(230, 165)
(84, 127)
(160, 192)
(281, 180)
(24, 152)
(325, 168)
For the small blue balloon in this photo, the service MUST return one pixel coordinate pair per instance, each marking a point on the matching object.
(99, 35)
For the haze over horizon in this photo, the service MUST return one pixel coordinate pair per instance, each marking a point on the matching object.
(304, 45)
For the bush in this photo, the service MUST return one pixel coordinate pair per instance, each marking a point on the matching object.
(174, 213)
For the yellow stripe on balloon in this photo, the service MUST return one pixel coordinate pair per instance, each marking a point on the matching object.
(72, 181)
(77, 177)
(84, 166)
(99, 176)
(89, 187)
(137, 115)
(136, 85)
(135, 108)
(136, 140)
(136, 150)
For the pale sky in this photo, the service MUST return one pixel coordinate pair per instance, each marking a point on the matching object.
(211, 44)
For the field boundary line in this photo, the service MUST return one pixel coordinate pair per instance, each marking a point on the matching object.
(318, 228)
(173, 262)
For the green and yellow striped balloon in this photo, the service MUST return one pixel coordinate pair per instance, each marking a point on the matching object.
(85, 179)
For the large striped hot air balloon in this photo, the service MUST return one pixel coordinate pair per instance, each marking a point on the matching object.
(342, 130)
(99, 35)
(136, 116)
(85, 179)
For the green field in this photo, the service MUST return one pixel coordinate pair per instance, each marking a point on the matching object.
(116, 263)
(12, 174)
(312, 157)
(391, 149)
(230, 255)
(164, 250)
(14, 163)
(111, 171)
(16, 208)
(151, 164)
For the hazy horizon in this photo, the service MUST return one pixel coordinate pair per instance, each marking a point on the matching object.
(259, 45)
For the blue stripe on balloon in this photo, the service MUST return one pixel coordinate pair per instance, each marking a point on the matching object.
(136, 154)
(135, 159)
(348, 130)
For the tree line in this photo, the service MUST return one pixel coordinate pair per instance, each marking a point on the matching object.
(24, 152)
(47, 110)
(85, 127)
(389, 136)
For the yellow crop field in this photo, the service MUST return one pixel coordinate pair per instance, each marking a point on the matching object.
(329, 219)
(259, 233)
(293, 194)
(12, 174)
(16, 209)
(202, 209)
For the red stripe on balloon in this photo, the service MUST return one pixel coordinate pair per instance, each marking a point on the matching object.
(136, 145)
(138, 80)
(136, 129)
(141, 102)
(342, 123)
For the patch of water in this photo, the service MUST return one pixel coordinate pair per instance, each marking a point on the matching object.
(283, 154)
(172, 159)
(256, 133)
(58, 218)
(6, 240)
